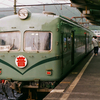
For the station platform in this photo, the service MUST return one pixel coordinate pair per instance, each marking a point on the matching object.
(83, 83)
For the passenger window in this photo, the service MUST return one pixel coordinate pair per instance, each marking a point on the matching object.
(65, 43)
(69, 42)
(37, 41)
(9, 41)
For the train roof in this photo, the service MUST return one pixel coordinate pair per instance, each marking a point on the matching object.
(44, 17)
(41, 18)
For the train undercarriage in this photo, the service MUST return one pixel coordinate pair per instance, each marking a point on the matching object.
(24, 90)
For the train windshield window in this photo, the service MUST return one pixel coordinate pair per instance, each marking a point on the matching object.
(9, 41)
(37, 41)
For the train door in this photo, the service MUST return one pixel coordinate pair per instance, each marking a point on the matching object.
(62, 52)
(72, 47)
(66, 51)
(85, 43)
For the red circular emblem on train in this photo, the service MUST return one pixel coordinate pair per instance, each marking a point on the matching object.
(21, 61)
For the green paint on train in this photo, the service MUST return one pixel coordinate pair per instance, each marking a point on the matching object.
(41, 46)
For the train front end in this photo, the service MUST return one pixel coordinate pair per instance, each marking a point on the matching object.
(27, 48)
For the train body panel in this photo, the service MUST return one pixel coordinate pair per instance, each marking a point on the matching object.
(36, 68)
(43, 47)
(37, 61)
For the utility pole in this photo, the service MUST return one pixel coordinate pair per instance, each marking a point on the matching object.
(15, 7)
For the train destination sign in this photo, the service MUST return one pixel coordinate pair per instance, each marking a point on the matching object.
(21, 61)
(4, 47)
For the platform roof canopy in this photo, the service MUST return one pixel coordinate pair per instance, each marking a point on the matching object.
(89, 8)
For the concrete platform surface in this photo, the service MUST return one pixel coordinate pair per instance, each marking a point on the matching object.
(83, 83)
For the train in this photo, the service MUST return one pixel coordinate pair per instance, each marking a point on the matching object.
(39, 49)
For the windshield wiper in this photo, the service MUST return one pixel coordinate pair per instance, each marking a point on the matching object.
(12, 45)
(35, 46)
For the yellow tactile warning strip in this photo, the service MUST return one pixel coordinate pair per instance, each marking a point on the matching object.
(57, 90)
(74, 83)
(65, 82)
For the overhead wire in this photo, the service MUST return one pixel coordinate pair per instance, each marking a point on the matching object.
(37, 8)
(68, 9)
(16, 2)
(74, 13)
(2, 2)
(6, 10)
(71, 11)
(61, 9)
(39, 1)
(34, 7)
(5, 4)
(55, 7)
(10, 6)
(31, 5)
(65, 8)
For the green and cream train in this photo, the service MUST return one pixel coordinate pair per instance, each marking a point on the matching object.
(38, 49)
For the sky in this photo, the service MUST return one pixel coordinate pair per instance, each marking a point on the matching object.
(10, 3)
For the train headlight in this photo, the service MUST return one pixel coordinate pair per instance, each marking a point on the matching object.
(23, 13)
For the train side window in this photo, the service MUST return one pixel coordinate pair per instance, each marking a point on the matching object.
(65, 43)
(37, 41)
(69, 42)
(9, 41)
(75, 44)
(78, 41)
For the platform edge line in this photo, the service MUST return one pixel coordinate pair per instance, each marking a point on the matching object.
(74, 83)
